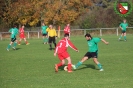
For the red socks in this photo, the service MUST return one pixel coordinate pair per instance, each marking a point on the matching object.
(59, 64)
(69, 67)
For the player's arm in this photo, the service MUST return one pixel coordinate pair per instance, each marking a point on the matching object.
(19, 30)
(127, 25)
(55, 33)
(72, 46)
(10, 31)
(56, 49)
(104, 41)
(120, 27)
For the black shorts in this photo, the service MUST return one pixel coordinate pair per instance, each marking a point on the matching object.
(13, 39)
(51, 39)
(45, 34)
(123, 31)
(91, 55)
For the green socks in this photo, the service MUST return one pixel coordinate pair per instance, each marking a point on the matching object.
(120, 37)
(78, 64)
(99, 66)
(15, 44)
(125, 38)
(45, 40)
(8, 47)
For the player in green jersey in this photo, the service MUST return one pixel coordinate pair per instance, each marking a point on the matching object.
(44, 33)
(14, 32)
(123, 26)
(92, 52)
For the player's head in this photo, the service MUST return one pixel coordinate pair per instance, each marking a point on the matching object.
(43, 24)
(22, 26)
(88, 37)
(66, 35)
(124, 20)
(50, 26)
(15, 26)
(68, 24)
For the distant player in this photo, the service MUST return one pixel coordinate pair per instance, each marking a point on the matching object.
(67, 29)
(123, 26)
(51, 36)
(22, 36)
(61, 50)
(44, 33)
(14, 32)
(92, 52)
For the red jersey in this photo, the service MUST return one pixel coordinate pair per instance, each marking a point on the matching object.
(21, 31)
(67, 29)
(62, 46)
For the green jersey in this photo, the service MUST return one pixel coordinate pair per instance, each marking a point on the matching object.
(124, 26)
(93, 47)
(44, 29)
(14, 32)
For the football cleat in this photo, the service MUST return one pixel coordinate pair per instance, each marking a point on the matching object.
(101, 70)
(56, 68)
(7, 49)
(27, 43)
(14, 48)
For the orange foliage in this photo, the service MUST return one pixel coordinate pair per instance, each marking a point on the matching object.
(32, 11)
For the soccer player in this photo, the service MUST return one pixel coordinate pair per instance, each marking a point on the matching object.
(22, 36)
(14, 32)
(52, 35)
(92, 52)
(123, 26)
(44, 33)
(67, 29)
(61, 50)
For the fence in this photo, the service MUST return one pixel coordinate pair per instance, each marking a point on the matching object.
(37, 34)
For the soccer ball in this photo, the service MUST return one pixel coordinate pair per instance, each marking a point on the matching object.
(66, 67)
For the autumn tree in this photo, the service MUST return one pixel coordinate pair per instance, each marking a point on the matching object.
(50, 11)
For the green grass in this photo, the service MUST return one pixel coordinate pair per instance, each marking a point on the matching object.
(32, 66)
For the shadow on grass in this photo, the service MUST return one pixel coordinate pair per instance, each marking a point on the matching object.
(18, 48)
(87, 66)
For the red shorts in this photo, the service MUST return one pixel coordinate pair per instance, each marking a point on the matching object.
(22, 36)
(63, 55)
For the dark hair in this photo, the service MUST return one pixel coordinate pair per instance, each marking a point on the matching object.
(66, 35)
(15, 26)
(88, 35)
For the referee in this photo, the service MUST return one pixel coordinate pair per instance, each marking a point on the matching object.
(52, 36)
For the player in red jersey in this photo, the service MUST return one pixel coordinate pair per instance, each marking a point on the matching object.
(67, 29)
(61, 50)
(22, 36)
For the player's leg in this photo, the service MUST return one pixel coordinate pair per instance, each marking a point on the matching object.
(61, 63)
(80, 62)
(45, 39)
(98, 64)
(94, 56)
(19, 42)
(15, 44)
(125, 36)
(50, 43)
(86, 57)
(121, 36)
(26, 42)
(9, 45)
(69, 64)
(54, 41)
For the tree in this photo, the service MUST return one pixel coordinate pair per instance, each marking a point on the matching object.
(50, 11)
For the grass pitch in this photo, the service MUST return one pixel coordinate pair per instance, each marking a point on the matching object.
(32, 66)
